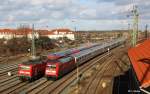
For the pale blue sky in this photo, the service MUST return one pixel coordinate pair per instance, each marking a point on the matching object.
(86, 14)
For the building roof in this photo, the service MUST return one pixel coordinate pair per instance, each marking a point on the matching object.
(16, 31)
(24, 31)
(55, 32)
(140, 60)
(45, 32)
(7, 31)
(61, 30)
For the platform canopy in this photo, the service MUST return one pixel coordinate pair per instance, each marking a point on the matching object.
(140, 60)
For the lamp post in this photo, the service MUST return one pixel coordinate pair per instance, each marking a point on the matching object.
(75, 29)
(77, 65)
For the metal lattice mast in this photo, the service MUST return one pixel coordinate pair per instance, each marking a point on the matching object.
(33, 43)
(135, 25)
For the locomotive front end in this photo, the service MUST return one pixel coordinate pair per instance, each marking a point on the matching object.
(24, 72)
(51, 71)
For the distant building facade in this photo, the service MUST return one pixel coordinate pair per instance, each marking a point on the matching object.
(53, 34)
(57, 33)
(6, 33)
(17, 33)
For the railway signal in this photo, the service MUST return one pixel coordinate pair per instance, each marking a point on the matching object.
(75, 29)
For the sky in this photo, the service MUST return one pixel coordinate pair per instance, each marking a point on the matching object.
(79, 14)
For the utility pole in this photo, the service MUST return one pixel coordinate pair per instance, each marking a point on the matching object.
(135, 26)
(33, 43)
(77, 64)
(146, 31)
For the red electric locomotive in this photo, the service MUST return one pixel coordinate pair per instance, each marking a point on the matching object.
(34, 69)
(31, 70)
(57, 68)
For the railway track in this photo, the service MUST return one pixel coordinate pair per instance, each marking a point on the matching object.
(91, 87)
(44, 85)
(60, 84)
(13, 71)
(8, 69)
(31, 88)
(27, 86)
(12, 85)
(108, 79)
(57, 88)
(64, 85)
(7, 79)
(97, 87)
(6, 59)
(10, 66)
(105, 73)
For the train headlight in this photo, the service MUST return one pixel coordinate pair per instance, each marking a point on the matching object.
(24, 72)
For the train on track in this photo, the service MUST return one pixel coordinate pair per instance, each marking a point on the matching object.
(34, 69)
(31, 70)
(58, 64)
(59, 67)
(57, 55)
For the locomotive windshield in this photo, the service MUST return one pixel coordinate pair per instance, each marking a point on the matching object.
(24, 67)
(51, 67)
